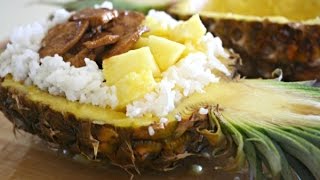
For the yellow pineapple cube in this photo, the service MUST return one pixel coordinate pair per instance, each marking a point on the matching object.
(142, 42)
(134, 86)
(190, 48)
(192, 29)
(155, 27)
(116, 67)
(165, 52)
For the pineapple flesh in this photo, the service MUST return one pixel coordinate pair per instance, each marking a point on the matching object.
(165, 52)
(134, 86)
(156, 28)
(136, 60)
(192, 30)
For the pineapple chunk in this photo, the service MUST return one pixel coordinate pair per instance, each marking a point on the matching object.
(190, 48)
(156, 28)
(138, 60)
(142, 42)
(165, 52)
(134, 86)
(192, 29)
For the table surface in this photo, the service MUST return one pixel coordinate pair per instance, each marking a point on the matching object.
(14, 13)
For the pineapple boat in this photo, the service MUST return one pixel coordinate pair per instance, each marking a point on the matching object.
(149, 91)
(268, 34)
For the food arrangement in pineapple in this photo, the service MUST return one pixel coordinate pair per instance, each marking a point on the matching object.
(269, 35)
(149, 91)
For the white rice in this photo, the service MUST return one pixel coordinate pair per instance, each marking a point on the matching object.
(203, 111)
(86, 84)
(60, 16)
(83, 84)
(178, 117)
(52, 74)
(21, 53)
(163, 122)
(105, 4)
(151, 131)
(163, 18)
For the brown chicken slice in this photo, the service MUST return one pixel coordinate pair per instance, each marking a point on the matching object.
(128, 27)
(62, 37)
(101, 40)
(78, 59)
(111, 33)
(126, 21)
(96, 17)
(126, 42)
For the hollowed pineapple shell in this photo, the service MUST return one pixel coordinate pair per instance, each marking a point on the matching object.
(99, 133)
(267, 34)
(263, 123)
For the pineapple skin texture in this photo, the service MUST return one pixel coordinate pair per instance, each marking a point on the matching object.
(266, 45)
(105, 142)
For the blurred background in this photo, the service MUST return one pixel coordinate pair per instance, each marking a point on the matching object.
(19, 12)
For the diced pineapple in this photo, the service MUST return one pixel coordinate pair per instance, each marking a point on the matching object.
(134, 86)
(165, 52)
(138, 60)
(155, 27)
(192, 29)
(190, 48)
(142, 42)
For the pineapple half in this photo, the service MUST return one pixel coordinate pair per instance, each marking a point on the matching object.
(262, 123)
(268, 34)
